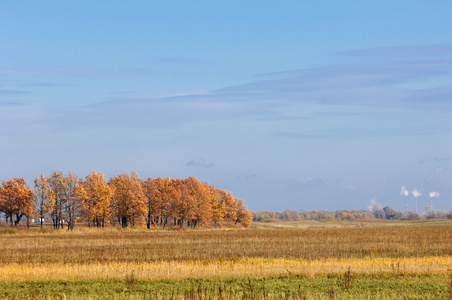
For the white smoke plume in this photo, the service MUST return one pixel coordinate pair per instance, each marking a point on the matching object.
(433, 194)
(404, 191)
(416, 193)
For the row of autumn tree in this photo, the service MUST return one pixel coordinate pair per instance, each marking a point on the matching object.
(125, 199)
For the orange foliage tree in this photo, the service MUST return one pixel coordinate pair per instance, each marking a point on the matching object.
(72, 202)
(57, 187)
(189, 202)
(125, 199)
(43, 197)
(16, 200)
(96, 196)
(129, 199)
(153, 201)
(64, 199)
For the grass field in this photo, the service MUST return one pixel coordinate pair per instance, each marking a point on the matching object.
(306, 260)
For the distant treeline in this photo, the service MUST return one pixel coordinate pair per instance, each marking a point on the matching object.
(125, 199)
(316, 215)
(389, 213)
(376, 212)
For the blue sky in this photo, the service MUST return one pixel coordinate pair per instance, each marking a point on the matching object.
(288, 105)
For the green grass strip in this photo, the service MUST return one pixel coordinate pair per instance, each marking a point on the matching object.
(353, 286)
(8, 231)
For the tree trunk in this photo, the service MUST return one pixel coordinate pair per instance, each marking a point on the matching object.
(124, 222)
(17, 221)
(148, 220)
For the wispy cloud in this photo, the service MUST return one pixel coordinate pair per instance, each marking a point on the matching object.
(176, 60)
(429, 160)
(440, 175)
(46, 84)
(12, 92)
(357, 83)
(307, 183)
(200, 162)
(354, 132)
(91, 73)
(402, 52)
(248, 177)
(279, 99)
(11, 104)
(28, 118)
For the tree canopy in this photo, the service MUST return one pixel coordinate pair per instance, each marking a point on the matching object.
(125, 199)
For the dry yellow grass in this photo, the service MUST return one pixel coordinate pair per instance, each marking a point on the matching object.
(105, 246)
(424, 247)
(172, 270)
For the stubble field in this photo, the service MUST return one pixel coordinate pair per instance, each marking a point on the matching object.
(312, 260)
